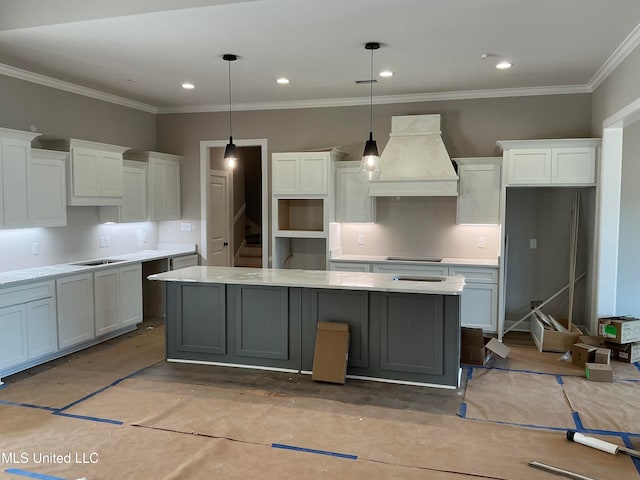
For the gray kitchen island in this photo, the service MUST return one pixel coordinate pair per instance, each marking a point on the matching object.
(404, 330)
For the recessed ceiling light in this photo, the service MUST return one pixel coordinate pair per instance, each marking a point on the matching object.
(283, 81)
(386, 73)
(188, 86)
(504, 65)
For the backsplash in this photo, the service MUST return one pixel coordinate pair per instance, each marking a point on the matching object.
(420, 226)
(79, 240)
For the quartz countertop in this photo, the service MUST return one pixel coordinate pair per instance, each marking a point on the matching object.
(46, 272)
(384, 282)
(451, 261)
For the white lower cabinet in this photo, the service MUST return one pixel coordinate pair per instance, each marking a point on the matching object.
(27, 323)
(411, 269)
(13, 341)
(479, 301)
(130, 295)
(118, 298)
(75, 309)
(349, 267)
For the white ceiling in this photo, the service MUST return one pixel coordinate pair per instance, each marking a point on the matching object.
(143, 50)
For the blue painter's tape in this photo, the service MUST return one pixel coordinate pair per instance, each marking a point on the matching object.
(100, 390)
(312, 450)
(25, 473)
(469, 373)
(526, 371)
(91, 419)
(578, 421)
(559, 380)
(637, 365)
(463, 410)
(28, 405)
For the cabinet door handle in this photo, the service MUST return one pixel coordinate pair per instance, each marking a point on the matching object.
(225, 244)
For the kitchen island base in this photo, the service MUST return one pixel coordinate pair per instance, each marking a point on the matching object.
(399, 337)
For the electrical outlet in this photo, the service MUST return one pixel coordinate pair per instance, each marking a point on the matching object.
(102, 242)
(361, 239)
(481, 242)
(186, 227)
(533, 243)
(107, 241)
(35, 248)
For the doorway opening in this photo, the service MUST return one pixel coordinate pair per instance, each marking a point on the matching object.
(234, 205)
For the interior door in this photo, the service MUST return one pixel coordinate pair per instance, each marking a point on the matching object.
(218, 220)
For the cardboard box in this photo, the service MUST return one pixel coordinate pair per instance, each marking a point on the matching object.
(602, 355)
(476, 349)
(598, 372)
(582, 353)
(627, 353)
(590, 340)
(548, 340)
(619, 329)
(331, 353)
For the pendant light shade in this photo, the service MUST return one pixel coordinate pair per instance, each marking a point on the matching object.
(230, 155)
(370, 165)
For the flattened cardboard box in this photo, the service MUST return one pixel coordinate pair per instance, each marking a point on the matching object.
(627, 353)
(619, 329)
(331, 352)
(476, 349)
(598, 372)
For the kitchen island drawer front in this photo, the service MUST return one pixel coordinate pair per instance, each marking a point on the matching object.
(411, 333)
(26, 293)
(201, 326)
(476, 274)
(398, 268)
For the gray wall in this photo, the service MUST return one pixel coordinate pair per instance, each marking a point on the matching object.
(470, 128)
(620, 89)
(67, 115)
(628, 258)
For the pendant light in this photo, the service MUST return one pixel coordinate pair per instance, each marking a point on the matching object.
(370, 165)
(230, 156)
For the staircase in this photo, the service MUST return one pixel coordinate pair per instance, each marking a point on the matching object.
(250, 256)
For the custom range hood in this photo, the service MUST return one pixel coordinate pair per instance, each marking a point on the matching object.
(415, 162)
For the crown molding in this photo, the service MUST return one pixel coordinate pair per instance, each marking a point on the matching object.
(21, 74)
(381, 100)
(616, 58)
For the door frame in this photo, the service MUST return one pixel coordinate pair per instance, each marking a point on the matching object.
(205, 162)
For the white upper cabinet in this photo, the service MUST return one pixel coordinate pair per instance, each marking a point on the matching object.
(47, 188)
(163, 184)
(353, 203)
(134, 196)
(94, 174)
(479, 190)
(15, 160)
(570, 162)
(302, 173)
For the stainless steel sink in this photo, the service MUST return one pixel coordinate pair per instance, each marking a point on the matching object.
(93, 263)
(415, 278)
(415, 259)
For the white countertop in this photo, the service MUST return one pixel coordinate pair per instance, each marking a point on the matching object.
(45, 272)
(384, 282)
(445, 261)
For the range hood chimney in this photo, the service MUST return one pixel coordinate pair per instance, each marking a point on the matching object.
(415, 162)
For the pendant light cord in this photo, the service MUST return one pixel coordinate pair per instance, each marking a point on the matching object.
(230, 135)
(371, 95)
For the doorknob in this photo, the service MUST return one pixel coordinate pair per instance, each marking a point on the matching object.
(225, 244)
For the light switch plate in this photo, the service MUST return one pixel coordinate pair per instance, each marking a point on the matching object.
(361, 239)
